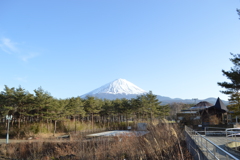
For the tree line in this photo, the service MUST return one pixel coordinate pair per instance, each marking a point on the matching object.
(40, 106)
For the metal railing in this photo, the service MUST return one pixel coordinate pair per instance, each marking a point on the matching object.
(214, 131)
(207, 147)
(232, 135)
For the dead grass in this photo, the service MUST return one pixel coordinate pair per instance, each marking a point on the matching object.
(163, 142)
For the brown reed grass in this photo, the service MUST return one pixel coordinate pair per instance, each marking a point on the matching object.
(163, 142)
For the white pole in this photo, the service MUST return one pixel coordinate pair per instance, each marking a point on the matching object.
(8, 118)
(7, 131)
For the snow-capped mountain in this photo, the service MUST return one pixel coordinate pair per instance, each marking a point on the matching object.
(122, 88)
(119, 88)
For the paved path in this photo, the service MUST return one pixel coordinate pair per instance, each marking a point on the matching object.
(221, 141)
(3, 141)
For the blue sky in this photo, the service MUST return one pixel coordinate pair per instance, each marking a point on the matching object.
(70, 47)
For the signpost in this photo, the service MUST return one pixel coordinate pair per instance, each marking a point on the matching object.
(8, 118)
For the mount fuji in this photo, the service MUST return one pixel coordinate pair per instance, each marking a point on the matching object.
(122, 88)
(119, 88)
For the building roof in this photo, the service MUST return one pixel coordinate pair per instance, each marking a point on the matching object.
(201, 105)
(220, 105)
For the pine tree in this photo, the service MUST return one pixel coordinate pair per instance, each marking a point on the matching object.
(107, 110)
(155, 107)
(23, 102)
(92, 106)
(148, 106)
(233, 87)
(7, 101)
(75, 107)
(127, 109)
(234, 104)
(42, 101)
(56, 111)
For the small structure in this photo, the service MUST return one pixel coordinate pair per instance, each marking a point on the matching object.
(205, 113)
(192, 115)
(214, 115)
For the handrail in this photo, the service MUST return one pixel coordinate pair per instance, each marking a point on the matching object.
(195, 135)
(233, 130)
(218, 131)
(216, 128)
(231, 136)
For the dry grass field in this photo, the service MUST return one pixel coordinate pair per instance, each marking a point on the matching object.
(163, 142)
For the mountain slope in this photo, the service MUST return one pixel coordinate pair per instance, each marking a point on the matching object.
(119, 88)
(167, 100)
(122, 88)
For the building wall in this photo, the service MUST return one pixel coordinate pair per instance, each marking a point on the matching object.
(211, 119)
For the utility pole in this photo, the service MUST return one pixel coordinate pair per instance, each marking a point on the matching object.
(8, 118)
(195, 99)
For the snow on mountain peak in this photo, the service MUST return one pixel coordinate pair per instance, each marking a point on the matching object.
(119, 86)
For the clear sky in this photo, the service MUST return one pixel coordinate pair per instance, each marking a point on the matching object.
(70, 47)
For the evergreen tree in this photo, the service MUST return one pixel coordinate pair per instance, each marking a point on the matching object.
(127, 108)
(42, 101)
(23, 102)
(56, 111)
(92, 106)
(148, 106)
(74, 107)
(163, 111)
(154, 106)
(134, 103)
(233, 86)
(107, 110)
(118, 108)
(7, 101)
(234, 105)
(141, 106)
